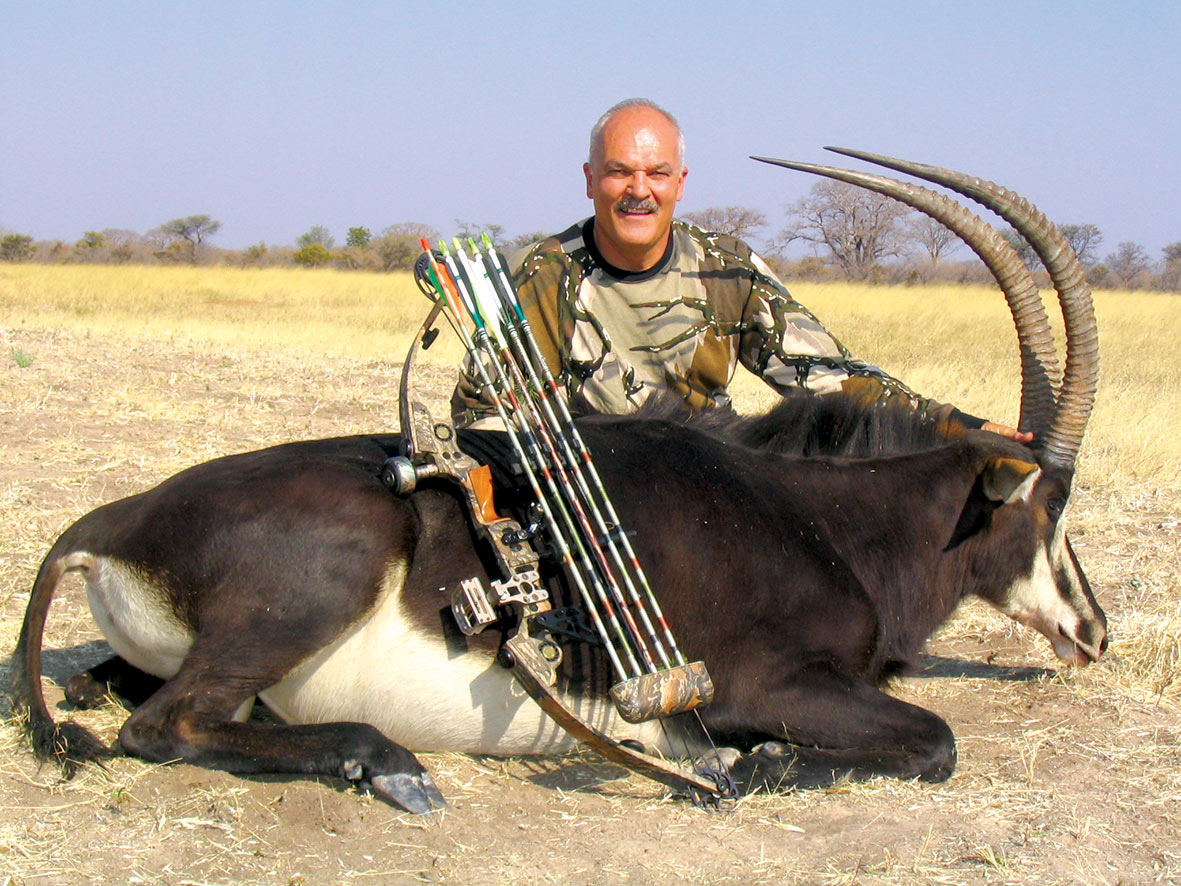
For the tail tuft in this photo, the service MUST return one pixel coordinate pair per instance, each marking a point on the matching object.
(67, 744)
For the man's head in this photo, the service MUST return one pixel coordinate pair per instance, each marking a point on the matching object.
(635, 175)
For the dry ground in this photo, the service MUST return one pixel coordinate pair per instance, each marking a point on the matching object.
(1064, 776)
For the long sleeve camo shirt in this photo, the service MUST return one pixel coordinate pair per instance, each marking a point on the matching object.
(618, 337)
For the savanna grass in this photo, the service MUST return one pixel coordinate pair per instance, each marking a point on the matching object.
(953, 343)
(330, 312)
(957, 345)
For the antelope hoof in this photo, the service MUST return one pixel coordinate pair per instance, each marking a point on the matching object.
(416, 794)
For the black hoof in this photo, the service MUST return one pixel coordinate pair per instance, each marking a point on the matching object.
(84, 693)
(416, 794)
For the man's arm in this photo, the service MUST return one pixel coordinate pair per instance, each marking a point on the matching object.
(787, 346)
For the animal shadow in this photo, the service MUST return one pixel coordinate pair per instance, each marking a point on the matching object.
(944, 667)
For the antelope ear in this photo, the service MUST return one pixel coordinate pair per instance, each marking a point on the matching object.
(1009, 479)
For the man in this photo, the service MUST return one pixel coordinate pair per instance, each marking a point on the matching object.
(631, 302)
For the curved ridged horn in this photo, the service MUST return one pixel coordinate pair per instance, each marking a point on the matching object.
(1039, 361)
(1081, 375)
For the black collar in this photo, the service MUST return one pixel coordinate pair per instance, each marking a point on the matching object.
(588, 237)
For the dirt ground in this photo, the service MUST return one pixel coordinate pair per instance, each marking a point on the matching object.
(1064, 776)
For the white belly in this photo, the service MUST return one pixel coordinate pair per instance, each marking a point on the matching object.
(384, 671)
(133, 615)
(407, 682)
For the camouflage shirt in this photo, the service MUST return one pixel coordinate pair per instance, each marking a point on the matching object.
(617, 337)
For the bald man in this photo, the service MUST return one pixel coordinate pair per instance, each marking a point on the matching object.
(632, 302)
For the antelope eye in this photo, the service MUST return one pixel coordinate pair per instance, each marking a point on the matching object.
(1055, 506)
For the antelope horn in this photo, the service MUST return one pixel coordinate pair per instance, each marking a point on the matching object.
(1080, 379)
(1039, 361)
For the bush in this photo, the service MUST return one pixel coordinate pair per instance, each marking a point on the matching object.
(313, 255)
(16, 247)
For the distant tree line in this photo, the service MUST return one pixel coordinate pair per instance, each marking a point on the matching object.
(851, 234)
(857, 234)
(187, 240)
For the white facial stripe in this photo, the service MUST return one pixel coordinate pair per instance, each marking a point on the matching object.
(1035, 600)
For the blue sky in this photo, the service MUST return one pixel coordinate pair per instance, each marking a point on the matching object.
(274, 117)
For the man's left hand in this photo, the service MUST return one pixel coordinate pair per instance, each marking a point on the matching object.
(1006, 431)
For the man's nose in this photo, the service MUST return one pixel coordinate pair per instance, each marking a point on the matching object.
(638, 185)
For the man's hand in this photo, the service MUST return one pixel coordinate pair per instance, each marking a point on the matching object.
(1006, 431)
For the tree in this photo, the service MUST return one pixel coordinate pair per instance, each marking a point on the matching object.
(398, 246)
(1021, 247)
(358, 237)
(856, 226)
(935, 239)
(122, 244)
(91, 241)
(255, 254)
(90, 246)
(16, 247)
(1128, 262)
(1084, 240)
(317, 234)
(188, 234)
(737, 221)
(1170, 277)
(523, 240)
(114, 245)
(1099, 276)
(468, 229)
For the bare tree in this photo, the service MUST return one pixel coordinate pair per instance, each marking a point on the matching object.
(414, 229)
(1084, 239)
(1128, 262)
(737, 221)
(469, 229)
(856, 226)
(935, 239)
(521, 241)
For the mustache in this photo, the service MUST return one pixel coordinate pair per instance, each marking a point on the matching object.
(631, 204)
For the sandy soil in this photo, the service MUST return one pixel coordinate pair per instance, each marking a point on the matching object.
(1064, 776)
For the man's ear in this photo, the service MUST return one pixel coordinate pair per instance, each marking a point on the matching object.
(681, 184)
(586, 170)
(1009, 479)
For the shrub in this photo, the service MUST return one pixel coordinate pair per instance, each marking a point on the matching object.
(312, 255)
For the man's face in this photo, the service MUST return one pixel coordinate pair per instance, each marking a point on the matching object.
(635, 180)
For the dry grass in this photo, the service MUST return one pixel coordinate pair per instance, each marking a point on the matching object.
(322, 313)
(1064, 777)
(956, 344)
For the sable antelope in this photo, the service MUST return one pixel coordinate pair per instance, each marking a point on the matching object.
(806, 555)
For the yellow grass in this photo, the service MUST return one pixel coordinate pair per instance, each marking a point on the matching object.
(336, 313)
(957, 345)
(953, 343)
